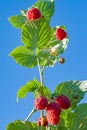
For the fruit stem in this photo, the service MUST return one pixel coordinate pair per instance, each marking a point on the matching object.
(30, 114)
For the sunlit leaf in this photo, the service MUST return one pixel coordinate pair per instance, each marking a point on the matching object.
(30, 86)
(24, 57)
(21, 125)
(78, 119)
(36, 34)
(17, 21)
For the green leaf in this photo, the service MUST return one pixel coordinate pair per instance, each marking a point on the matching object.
(60, 126)
(17, 125)
(78, 119)
(74, 122)
(30, 86)
(75, 90)
(24, 57)
(64, 117)
(53, 41)
(17, 21)
(46, 8)
(21, 125)
(81, 110)
(36, 34)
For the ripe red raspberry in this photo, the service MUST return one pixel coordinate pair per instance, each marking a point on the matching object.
(40, 103)
(33, 14)
(42, 119)
(53, 111)
(63, 101)
(52, 119)
(60, 34)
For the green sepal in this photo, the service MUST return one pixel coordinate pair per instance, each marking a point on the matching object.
(17, 21)
(24, 57)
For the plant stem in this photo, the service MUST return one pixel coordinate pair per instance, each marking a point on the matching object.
(30, 114)
(41, 69)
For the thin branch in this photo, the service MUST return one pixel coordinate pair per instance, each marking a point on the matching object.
(30, 114)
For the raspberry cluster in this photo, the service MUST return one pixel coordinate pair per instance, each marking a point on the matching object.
(53, 109)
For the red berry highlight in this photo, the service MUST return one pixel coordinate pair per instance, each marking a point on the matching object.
(33, 14)
(42, 121)
(63, 101)
(60, 34)
(40, 103)
(53, 111)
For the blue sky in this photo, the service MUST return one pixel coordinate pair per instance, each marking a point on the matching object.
(72, 14)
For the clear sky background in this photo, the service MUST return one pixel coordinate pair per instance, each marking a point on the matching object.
(72, 14)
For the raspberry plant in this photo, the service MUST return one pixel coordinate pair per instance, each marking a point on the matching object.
(42, 47)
